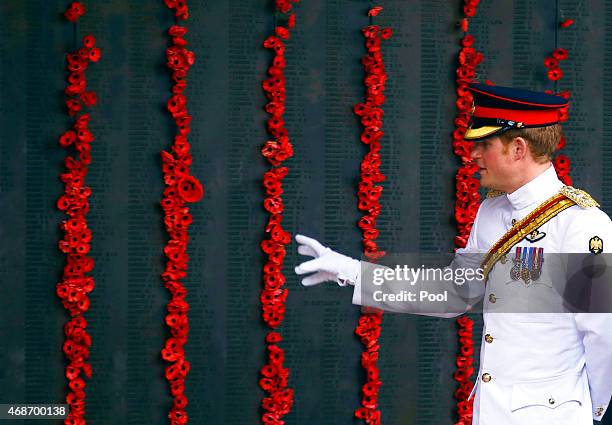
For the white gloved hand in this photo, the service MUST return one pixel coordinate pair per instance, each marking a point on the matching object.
(328, 264)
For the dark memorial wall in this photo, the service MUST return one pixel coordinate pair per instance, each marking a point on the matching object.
(324, 76)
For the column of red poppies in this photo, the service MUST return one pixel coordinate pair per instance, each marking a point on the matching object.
(467, 200)
(465, 369)
(181, 188)
(370, 113)
(76, 284)
(274, 375)
(554, 73)
(562, 162)
(467, 197)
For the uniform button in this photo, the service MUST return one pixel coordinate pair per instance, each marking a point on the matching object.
(551, 401)
(492, 298)
(486, 377)
(488, 338)
(599, 411)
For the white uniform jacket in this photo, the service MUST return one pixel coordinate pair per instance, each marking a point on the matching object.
(535, 368)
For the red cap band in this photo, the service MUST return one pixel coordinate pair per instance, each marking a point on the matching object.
(542, 117)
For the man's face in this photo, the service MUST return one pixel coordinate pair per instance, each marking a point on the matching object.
(494, 161)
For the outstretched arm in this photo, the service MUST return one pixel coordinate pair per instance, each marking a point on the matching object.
(381, 287)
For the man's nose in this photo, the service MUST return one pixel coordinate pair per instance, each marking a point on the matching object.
(475, 151)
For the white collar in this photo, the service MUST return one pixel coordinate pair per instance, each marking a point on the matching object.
(539, 189)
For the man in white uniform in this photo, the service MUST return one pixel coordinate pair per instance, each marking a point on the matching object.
(537, 367)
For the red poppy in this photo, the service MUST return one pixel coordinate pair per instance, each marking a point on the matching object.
(566, 179)
(180, 402)
(465, 321)
(469, 11)
(269, 404)
(461, 215)
(467, 40)
(270, 150)
(371, 136)
(458, 136)
(274, 204)
(279, 49)
(291, 21)
(464, 103)
(361, 413)
(268, 246)
(67, 138)
(89, 99)
(370, 31)
(73, 105)
(277, 255)
(176, 306)
(563, 114)
(177, 31)
(370, 388)
(566, 23)
(551, 62)
(562, 164)
(84, 136)
(462, 120)
(171, 356)
(74, 11)
(561, 143)
(177, 416)
(463, 374)
(271, 268)
(273, 337)
(464, 408)
(190, 189)
(95, 54)
(89, 41)
(271, 41)
(76, 88)
(467, 350)
(76, 384)
(176, 104)
(566, 94)
(374, 11)
(555, 74)
(282, 32)
(560, 54)
(283, 6)
(280, 236)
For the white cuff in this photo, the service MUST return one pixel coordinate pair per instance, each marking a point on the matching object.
(357, 288)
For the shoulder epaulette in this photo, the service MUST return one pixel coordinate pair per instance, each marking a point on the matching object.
(495, 193)
(580, 197)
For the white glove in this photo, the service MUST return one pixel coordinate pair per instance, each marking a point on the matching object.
(328, 264)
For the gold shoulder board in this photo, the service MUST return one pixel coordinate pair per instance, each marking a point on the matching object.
(580, 197)
(495, 193)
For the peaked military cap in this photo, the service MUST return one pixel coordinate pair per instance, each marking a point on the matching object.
(497, 109)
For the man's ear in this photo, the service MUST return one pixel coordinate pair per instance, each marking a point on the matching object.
(520, 148)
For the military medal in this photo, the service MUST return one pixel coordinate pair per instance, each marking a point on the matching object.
(515, 271)
(525, 274)
(536, 271)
